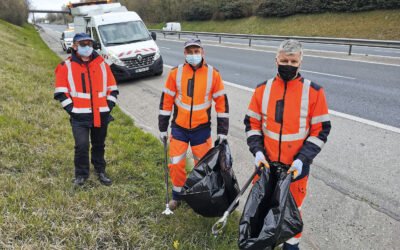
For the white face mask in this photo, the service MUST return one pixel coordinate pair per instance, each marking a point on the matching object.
(85, 50)
(194, 60)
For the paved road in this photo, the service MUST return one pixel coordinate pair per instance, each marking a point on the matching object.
(353, 200)
(310, 46)
(366, 90)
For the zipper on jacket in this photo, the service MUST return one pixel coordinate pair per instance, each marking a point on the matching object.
(191, 105)
(280, 132)
(90, 88)
(83, 82)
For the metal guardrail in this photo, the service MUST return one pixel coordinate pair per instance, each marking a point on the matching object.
(321, 40)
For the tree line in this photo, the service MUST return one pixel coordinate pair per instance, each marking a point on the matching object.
(156, 11)
(14, 11)
(198, 10)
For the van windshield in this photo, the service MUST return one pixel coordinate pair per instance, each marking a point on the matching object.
(123, 33)
(69, 34)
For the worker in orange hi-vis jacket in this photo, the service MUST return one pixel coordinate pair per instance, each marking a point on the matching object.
(287, 121)
(87, 90)
(188, 92)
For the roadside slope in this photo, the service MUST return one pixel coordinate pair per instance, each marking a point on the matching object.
(378, 24)
(40, 208)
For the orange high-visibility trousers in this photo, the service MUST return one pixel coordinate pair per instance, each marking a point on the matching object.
(298, 189)
(177, 153)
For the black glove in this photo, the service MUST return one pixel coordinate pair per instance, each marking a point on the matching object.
(110, 104)
(68, 108)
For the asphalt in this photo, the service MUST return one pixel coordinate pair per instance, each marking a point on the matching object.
(356, 50)
(353, 198)
(363, 89)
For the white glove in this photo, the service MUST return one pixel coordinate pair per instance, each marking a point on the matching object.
(296, 168)
(163, 136)
(221, 137)
(260, 159)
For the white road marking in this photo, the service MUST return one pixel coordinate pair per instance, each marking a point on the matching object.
(311, 50)
(273, 52)
(365, 121)
(332, 112)
(387, 50)
(164, 48)
(238, 86)
(326, 74)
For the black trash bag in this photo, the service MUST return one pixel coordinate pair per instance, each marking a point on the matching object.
(212, 186)
(270, 216)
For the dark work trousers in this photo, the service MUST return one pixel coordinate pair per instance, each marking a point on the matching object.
(81, 134)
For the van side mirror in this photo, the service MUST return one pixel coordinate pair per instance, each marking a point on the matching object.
(96, 45)
(154, 35)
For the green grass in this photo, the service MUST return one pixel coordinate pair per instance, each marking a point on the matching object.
(40, 209)
(379, 24)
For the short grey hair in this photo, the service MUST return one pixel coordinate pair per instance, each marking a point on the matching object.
(290, 46)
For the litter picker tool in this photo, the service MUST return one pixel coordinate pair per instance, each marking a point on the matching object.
(221, 223)
(167, 211)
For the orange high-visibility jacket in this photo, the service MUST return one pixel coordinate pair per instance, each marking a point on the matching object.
(191, 92)
(288, 121)
(85, 90)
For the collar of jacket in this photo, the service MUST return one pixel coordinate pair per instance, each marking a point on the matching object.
(75, 58)
(299, 77)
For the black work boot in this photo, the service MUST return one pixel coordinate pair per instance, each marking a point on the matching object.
(104, 179)
(79, 181)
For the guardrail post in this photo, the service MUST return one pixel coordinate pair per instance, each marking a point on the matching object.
(249, 42)
(220, 38)
(179, 36)
(350, 49)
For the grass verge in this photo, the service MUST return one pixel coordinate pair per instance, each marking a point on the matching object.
(379, 24)
(40, 209)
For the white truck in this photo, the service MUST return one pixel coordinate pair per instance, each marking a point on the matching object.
(121, 38)
(66, 40)
(172, 26)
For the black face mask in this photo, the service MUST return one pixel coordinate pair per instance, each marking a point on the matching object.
(287, 72)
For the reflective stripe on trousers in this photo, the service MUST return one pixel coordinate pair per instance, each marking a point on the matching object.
(298, 190)
(177, 153)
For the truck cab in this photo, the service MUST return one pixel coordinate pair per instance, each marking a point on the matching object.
(121, 38)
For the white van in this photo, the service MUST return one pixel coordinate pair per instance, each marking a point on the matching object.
(121, 38)
(172, 27)
(66, 40)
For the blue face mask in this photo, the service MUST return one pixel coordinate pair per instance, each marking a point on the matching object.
(85, 50)
(194, 60)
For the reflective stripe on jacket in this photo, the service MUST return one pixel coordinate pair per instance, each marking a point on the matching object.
(85, 89)
(190, 92)
(288, 120)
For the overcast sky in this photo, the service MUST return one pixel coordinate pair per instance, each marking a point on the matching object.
(48, 5)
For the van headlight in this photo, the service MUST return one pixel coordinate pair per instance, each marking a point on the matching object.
(157, 55)
(114, 59)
